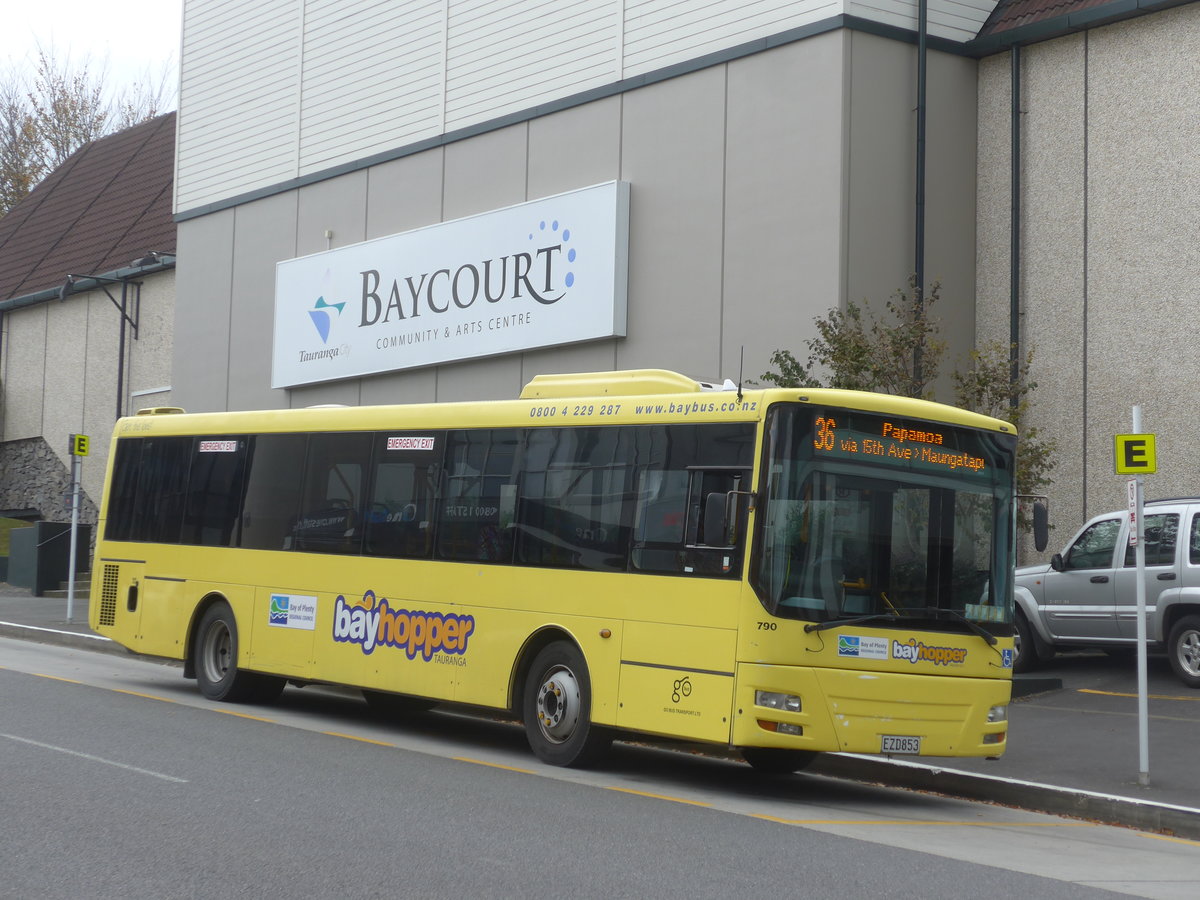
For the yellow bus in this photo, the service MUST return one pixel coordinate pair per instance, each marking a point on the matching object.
(778, 571)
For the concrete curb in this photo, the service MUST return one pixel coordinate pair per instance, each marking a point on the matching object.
(1108, 809)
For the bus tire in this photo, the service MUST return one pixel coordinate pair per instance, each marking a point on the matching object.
(557, 707)
(776, 761)
(216, 652)
(1026, 658)
(1183, 649)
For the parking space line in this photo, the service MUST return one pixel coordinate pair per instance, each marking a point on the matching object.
(91, 758)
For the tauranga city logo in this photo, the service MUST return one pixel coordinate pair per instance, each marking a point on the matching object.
(322, 316)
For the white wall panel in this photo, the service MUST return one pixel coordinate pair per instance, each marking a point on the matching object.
(663, 32)
(238, 94)
(279, 89)
(373, 76)
(502, 57)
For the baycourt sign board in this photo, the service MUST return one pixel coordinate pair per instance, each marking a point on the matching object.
(540, 274)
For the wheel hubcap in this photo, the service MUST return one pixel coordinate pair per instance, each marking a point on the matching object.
(1189, 653)
(216, 655)
(558, 704)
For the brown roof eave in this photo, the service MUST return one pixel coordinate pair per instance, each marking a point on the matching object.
(1081, 20)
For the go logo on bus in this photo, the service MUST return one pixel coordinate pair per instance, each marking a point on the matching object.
(370, 624)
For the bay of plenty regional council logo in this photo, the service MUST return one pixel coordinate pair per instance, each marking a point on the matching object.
(321, 317)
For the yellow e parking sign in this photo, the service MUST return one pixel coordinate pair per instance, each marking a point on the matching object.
(79, 445)
(1134, 454)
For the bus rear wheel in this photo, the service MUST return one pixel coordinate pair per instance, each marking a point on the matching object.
(215, 653)
(774, 761)
(557, 706)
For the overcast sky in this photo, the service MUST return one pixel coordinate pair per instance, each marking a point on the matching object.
(134, 39)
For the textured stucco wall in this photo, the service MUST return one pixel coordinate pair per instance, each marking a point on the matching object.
(1110, 189)
(60, 378)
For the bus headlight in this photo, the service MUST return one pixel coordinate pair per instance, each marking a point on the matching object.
(998, 714)
(773, 700)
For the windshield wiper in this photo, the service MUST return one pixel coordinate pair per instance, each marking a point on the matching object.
(935, 613)
(857, 620)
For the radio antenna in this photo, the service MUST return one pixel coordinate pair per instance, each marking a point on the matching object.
(741, 365)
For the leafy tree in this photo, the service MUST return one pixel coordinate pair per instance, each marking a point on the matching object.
(854, 351)
(901, 353)
(46, 118)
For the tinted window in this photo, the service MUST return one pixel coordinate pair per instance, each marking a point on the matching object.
(1094, 548)
(576, 506)
(214, 496)
(149, 488)
(678, 466)
(478, 495)
(332, 507)
(399, 516)
(274, 471)
(1160, 532)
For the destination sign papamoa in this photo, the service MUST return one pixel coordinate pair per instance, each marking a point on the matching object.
(879, 439)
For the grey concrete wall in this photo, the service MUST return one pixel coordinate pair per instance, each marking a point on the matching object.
(1109, 265)
(764, 192)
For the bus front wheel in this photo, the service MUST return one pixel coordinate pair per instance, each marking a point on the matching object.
(557, 707)
(216, 652)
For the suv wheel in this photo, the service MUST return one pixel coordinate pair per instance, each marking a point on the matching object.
(1183, 646)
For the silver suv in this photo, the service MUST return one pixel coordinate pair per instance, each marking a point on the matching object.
(1087, 595)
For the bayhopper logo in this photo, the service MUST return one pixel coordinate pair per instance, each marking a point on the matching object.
(322, 319)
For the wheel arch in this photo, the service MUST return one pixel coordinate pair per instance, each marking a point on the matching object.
(1172, 613)
(209, 600)
(1025, 605)
(534, 644)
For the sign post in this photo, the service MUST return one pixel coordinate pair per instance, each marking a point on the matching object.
(1134, 454)
(79, 449)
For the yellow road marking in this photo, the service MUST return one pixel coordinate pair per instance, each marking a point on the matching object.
(352, 737)
(480, 762)
(1150, 696)
(1173, 840)
(137, 694)
(57, 678)
(240, 715)
(658, 796)
(912, 822)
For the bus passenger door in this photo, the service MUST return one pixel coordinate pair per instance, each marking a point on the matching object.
(677, 656)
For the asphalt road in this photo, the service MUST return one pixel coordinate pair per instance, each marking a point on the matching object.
(120, 781)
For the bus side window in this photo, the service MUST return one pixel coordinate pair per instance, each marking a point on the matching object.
(399, 511)
(478, 496)
(332, 508)
(149, 489)
(575, 507)
(215, 492)
(274, 469)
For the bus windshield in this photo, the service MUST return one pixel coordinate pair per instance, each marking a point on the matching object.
(871, 516)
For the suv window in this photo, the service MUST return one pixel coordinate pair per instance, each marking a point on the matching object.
(1160, 532)
(1094, 548)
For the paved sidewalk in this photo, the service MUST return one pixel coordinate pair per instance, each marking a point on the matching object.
(1070, 752)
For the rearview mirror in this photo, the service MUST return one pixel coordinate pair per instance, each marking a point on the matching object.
(1041, 526)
